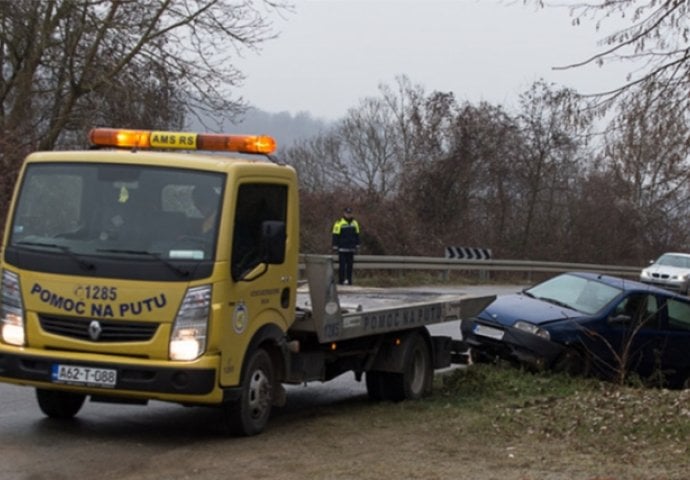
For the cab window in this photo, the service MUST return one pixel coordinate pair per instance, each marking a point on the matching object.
(256, 203)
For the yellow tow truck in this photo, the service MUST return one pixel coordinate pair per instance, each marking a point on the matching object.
(144, 268)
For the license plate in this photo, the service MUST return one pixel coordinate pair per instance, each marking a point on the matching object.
(81, 375)
(489, 332)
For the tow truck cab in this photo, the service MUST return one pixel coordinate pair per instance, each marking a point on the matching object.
(133, 274)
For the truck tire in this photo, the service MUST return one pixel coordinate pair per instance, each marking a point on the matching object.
(61, 405)
(376, 385)
(249, 414)
(416, 378)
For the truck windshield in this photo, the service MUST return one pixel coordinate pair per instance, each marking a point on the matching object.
(86, 211)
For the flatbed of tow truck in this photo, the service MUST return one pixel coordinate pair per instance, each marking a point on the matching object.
(341, 312)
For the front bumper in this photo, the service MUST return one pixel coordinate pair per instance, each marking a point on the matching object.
(496, 340)
(136, 378)
(680, 286)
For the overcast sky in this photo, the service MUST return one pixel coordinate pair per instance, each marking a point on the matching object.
(332, 53)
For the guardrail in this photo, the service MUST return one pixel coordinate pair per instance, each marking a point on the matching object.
(446, 265)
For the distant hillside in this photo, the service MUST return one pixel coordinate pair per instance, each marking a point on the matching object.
(285, 127)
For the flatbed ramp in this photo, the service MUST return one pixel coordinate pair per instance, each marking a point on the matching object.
(337, 313)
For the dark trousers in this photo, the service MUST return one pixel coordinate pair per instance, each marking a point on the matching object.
(345, 262)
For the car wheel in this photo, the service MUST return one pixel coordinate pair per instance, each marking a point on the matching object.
(573, 362)
(61, 405)
(249, 414)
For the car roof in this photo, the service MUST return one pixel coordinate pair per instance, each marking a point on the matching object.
(625, 284)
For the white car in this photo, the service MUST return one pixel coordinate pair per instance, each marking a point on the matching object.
(670, 271)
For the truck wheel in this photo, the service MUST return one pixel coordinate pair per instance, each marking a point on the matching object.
(249, 414)
(56, 404)
(376, 385)
(415, 380)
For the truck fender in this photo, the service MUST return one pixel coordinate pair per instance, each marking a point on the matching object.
(272, 339)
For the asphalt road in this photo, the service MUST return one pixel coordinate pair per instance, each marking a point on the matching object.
(106, 438)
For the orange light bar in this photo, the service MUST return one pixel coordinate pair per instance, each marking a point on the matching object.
(236, 143)
(110, 137)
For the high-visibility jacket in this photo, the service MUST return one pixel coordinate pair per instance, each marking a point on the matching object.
(346, 235)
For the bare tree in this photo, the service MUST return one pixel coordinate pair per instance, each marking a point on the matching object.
(369, 135)
(548, 162)
(318, 162)
(655, 40)
(405, 101)
(455, 189)
(646, 156)
(430, 120)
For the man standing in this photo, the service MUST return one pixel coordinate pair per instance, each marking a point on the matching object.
(346, 243)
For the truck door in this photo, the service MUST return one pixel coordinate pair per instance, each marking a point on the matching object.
(260, 292)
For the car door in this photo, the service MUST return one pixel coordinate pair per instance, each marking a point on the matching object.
(628, 340)
(673, 342)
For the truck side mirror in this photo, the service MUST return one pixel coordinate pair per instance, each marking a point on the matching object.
(272, 242)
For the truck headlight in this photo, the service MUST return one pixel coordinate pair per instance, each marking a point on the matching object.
(188, 337)
(11, 310)
(533, 329)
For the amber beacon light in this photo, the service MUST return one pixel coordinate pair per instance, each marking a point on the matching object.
(122, 138)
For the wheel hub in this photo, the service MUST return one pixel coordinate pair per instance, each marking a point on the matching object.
(259, 394)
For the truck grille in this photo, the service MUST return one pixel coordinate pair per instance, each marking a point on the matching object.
(109, 331)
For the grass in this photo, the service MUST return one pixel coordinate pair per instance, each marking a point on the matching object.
(555, 407)
(501, 383)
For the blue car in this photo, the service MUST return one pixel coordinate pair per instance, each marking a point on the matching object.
(585, 323)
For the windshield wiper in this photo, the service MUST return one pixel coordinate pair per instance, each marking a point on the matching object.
(177, 270)
(83, 264)
(556, 302)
